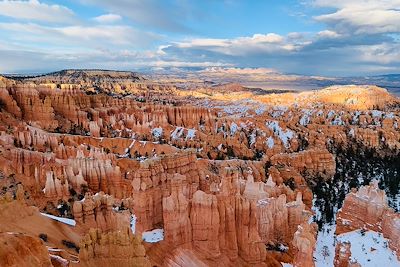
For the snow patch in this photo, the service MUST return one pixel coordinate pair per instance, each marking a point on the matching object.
(369, 249)
(70, 222)
(157, 132)
(153, 236)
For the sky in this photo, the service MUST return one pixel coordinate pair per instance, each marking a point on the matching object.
(310, 37)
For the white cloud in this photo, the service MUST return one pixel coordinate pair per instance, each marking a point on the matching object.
(362, 16)
(242, 45)
(108, 18)
(328, 34)
(92, 36)
(35, 10)
(382, 53)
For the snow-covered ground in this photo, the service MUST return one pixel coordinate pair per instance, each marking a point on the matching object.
(285, 136)
(70, 222)
(370, 249)
(324, 253)
(153, 236)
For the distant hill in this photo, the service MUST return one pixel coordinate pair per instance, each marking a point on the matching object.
(83, 76)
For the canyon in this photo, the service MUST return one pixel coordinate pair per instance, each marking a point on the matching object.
(108, 168)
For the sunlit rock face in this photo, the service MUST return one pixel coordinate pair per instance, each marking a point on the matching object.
(135, 172)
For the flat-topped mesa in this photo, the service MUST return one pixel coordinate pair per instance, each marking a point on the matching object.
(113, 248)
(352, 96)
(368, 209)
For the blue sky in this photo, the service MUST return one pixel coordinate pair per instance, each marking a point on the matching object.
(312, 37)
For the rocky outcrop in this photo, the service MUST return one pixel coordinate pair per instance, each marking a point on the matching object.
(367, 208)
(304, 243)
(343, 254)
(177, 225)
(314, 161)
(96, 211)
(363, 209)
(114, 248)
(204, 218)
(17, 249)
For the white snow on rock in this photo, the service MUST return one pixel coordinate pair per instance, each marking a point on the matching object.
(278, 111)
(351, 132)
(324, 253)
(369, 249)
(153, 236)
(157, 132)
(305, 119)
(376, 113)
(191, 134)
(177, 133)
(253, 138)
(70, 222)
(337, 121)
(285, 136)
(233, 128)
(270, 142)
(133, 223)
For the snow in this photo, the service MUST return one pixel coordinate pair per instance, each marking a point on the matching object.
(70, 222)
(191, 134)
(133, 223)
(370, 249)
(351, 132)
(324, 253)
(285, 136)
(233, 128)
(305, 119)
(177, 133)
(252, 138)
(337, 121)
(262, 202)
(389, 115)
(153, 236)
(279, 111)
(356, 115)
(260, 110)
(376, 113)
(270, 142)
(157, 132)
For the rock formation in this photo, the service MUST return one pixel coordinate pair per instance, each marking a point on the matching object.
(229, 181)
